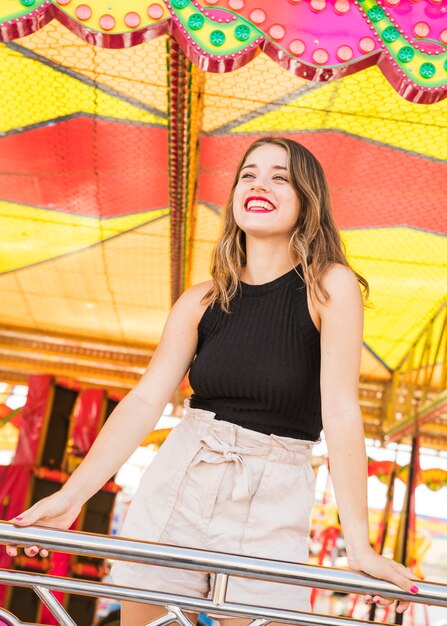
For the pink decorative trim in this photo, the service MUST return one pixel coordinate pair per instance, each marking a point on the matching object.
(36, 19)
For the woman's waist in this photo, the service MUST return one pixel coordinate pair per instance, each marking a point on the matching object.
(279, 447)
(277, 416)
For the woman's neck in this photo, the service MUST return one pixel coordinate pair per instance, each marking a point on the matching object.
(266, 261)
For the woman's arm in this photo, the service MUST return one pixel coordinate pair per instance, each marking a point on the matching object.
(130, 422)
(341, 346)
(138, 413)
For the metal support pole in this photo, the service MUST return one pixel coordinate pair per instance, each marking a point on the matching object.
(163, 620)
(8, 619)
(219, 589)
(180, 616)
(185, 98)
(54, 606)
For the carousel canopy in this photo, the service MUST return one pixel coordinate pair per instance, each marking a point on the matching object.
(120, 133)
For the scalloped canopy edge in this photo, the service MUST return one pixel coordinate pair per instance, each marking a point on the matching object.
(424, 89)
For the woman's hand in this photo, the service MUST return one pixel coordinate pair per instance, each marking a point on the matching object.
(56, 511)
(385, 569)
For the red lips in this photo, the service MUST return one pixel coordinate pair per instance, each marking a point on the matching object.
(260, 199)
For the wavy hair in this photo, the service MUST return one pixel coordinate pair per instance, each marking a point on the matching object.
(315, 239)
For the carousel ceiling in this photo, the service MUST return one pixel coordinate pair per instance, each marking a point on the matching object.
(117, 154)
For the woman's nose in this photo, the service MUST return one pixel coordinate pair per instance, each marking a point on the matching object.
(260, 184)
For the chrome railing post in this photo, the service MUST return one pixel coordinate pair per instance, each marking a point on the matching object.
(54, 606)
(163, 620)
(180, 616)
(219, 590)
(7, 619)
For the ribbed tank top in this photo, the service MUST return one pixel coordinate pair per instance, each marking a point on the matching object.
(259, 365)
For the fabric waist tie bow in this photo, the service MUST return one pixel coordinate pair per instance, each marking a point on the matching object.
(217, 451)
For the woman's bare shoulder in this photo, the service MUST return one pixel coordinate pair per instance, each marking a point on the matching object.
(342, 286)
(194, 294)
(339, 279)
(192, 299)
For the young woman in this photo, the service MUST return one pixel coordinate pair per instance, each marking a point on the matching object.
(273, 342)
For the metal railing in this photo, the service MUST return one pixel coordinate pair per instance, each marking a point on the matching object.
(224, 565)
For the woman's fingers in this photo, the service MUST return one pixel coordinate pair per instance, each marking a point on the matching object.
(382, 601)
(406, 577)
(27, 518)
(56, 511)
(403, 580)
(386, 569)
(36, 513)
(401, 576)
(12, 550)
(31, 551)
(402, 606)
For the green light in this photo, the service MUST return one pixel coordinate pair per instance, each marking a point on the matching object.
(376, 14)
(217, 38)
(405, 54)
(390, 34)
(427, 70)
(242, 32)
(180, 4)
(196, 21)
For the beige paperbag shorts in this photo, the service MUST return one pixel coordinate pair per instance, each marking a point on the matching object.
(217, 486)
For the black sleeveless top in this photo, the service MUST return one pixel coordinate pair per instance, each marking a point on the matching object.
(259, 365)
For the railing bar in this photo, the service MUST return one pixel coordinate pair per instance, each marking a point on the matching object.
(54, 606)
(350, 582)
(163, 620)
(202, 560)
(259, 622)
(188, 603)
(12, 619)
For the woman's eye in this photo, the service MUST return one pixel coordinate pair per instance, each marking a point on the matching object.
(248, 175)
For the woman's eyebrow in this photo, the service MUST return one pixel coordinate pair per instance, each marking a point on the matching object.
(275, 167)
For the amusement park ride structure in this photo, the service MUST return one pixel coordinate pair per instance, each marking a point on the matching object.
(319, 41)
(407, 41)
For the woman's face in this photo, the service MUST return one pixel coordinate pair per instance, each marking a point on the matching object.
(264, 201)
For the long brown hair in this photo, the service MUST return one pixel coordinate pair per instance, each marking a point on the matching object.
(315, 239)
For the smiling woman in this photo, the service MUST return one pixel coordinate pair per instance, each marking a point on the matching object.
(262, 177)
(263, 341)
(286, 175)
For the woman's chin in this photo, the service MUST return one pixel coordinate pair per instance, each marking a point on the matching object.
(264, 232)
